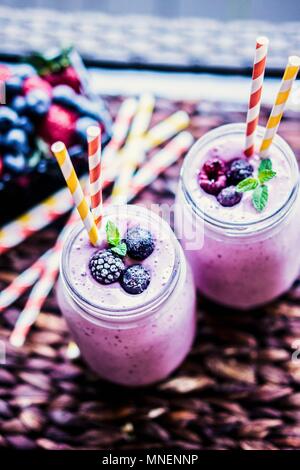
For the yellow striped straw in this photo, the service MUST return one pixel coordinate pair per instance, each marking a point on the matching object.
(133, 153)
(66, 166)
(289, 76)
(166, 129)
(142, 118)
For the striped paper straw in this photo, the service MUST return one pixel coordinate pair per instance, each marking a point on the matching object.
(22, 282)
(289, 76)
(120, 128)
(42, 288)
(166, 129)
(130, 161)
(164, 158)
(66, 166)
(35, 301)
(133, 152)
(35, 219)
(255, 95)
(142, 118)
(94, 158)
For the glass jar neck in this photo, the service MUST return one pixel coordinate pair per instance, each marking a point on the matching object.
(237, 228)
(120, 314)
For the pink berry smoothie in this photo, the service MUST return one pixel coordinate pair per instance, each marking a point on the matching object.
(130, 339)
(245, 258)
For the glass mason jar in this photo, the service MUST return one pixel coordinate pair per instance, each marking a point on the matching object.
(130, 339)
(241, 264)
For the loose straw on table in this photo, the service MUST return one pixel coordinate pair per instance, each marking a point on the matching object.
(66, 166)
(143, 177)
(120, 128)
(289, 76)
(133, 152)
(24, 281)
(166, 129)
(255, 95)
(94, 158)
(42, 288)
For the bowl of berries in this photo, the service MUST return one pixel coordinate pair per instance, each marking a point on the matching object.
(46, 98)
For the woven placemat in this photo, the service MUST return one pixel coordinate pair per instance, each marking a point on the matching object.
(144, 40)
(238, 389)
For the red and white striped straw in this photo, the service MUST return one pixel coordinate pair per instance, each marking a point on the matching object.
(94, 158)
(255, 95)
(23, 282)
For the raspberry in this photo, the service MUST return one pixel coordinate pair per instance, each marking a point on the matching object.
(239, 170)
(140, 243)
(229, 197)
(59, 124)
(135, 279)
(106, 267)
(212, 178)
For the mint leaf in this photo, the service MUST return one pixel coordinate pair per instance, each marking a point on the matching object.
(112, 233)
(247, 185)
(266, 175)
(120, 249)
(265, 164)
(260, 197)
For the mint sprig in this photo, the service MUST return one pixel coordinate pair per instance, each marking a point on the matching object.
(113, 238)
(260, 190)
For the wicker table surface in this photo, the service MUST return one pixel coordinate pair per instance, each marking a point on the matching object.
(238, 389)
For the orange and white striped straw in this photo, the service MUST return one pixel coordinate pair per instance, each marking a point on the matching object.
(23, 282)
(255, 95)
(66, 166)
(288, 79)
(94, 158)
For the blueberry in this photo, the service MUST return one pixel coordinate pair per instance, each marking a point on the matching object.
(25, 123)
(239, 170)
(135, 279)
(140, 243)
(85, 107)
(64, 95)
(76, 151)
(19, 104)
(13, 86)
(15, 163)
(38, 103)
(8, 118)
(24, 70)
(229, 197)
(16, 140)
(81, 127)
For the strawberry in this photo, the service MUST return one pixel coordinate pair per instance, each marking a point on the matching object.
(67, 76)
(59, 124)
(36, 82)
(5, 73)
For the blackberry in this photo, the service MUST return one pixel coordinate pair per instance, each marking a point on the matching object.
(106, 267)
(135, 279)
(238, 171)
(140, 243)
(229, 197)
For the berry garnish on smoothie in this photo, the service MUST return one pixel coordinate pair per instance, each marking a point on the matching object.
(109, 265)
(228, 180)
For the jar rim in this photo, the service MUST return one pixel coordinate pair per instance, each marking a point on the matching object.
(241, 228)
(120, 313)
